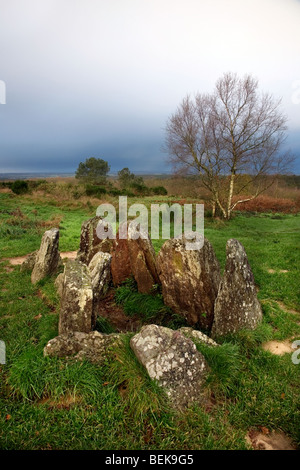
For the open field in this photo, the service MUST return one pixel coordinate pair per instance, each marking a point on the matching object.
(50, 403)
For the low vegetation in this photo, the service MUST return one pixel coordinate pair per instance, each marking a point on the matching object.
(52, 403)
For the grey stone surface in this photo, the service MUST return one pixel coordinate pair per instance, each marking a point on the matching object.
(90, 243)
(48, 257)
(93, 346)
(236, 306)
(59, 283)
(99, 271)
(197, 336)
(173, 360)
(100, 274)
(190, 280)
(76, 304)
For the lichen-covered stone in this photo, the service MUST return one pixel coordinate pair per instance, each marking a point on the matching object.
(93, 346)
(90, 243)
(173, 360)
(134, 257)
(99, 271)
(190, 280)
(59, 283)
(76, 305)
(197, 336)
(236, 306)
(29, 262)
(48, 257)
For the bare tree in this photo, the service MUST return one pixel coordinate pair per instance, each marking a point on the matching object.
(231, 138)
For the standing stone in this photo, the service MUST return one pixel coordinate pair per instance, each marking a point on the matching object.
(172, 360)
(59, 283)
(48, 257)
(134, 257)
(236, 306)
(142, 260)
(90, 243)
(76, 305)
(99, 271)
(190, 280)
(120, 262)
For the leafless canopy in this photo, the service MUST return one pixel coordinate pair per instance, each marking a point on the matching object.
(231, 138)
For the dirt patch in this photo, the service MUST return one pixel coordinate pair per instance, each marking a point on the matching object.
(115, 315)
(286, 309)
(267, 440)
(8, 269)
(273, 271)
(18, 260)
(63, 402)
(278, 347)
(68, 255)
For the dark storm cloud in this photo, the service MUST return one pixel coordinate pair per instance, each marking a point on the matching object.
(98, 78)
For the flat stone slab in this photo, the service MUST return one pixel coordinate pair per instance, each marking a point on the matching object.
(93, 346)
(76, 304)
(173, 360)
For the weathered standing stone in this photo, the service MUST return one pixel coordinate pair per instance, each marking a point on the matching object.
(120, 262)
(142, 260)
(236, 306)
(59, 283)
(93, 346)
(99, 271)
(90, 243)
(76, 304)
(134, 257)
(172, 360)
(29, 262)
(190, 280)
(47, 257)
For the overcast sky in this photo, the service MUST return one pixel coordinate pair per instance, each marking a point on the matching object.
(100, 77)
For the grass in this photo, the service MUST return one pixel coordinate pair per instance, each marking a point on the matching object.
(149, 308)
(52, 403)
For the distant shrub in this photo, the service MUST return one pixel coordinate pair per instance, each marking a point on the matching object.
(115, 192)
(93, 190)
(159, 191)
(20, 187)
(139, 189)
(33, 184)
